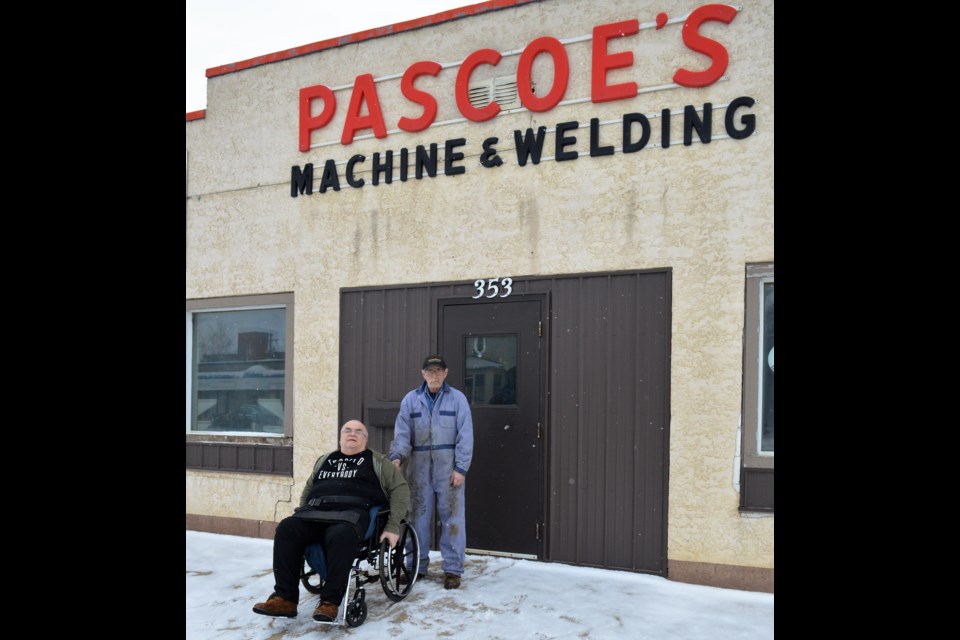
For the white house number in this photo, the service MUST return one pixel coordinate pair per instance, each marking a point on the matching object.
(492, 288)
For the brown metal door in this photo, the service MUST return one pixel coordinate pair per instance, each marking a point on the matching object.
(493, 351)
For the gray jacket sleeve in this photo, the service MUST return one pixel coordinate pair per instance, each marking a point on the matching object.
(400, 446)
(464, 448)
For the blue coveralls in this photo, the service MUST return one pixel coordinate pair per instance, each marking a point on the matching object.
(436, 437)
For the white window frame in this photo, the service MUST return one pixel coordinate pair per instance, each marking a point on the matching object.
(757, 275)
(243, 303)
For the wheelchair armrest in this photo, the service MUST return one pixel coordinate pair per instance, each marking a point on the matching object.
(373, 520)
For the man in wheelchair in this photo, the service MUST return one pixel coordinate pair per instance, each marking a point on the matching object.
(335, 512)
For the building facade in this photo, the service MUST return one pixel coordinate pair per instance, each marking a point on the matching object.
(572, 200)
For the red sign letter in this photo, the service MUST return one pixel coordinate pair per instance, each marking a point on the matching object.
(307, 122)
(420, 97)
(561, 74)
(475, 59)
(722, 12)
(363, 88)
(603, 61)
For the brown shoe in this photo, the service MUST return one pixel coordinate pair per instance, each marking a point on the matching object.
(325, 611)
(451, 581)
(277, 607)
(402, 579)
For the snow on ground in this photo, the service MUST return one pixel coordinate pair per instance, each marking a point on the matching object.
(500, 599)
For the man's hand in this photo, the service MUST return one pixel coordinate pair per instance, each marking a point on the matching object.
(396, 463)
(456, 479)
(392, 538)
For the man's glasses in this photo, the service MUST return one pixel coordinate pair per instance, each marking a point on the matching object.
(433, 372)
(350, 432)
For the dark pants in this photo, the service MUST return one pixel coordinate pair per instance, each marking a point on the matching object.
(340, 541)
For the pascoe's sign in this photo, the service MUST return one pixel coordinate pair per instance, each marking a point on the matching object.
(364, 112)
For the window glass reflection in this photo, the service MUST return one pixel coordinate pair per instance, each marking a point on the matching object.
(491, 370)
(766, 430)
(238, 371)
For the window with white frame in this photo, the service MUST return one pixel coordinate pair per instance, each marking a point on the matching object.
(758, 368)
(238, 372)
(765, 425)
(757, 460)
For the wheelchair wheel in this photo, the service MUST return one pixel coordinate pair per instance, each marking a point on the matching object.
(403, 560)
(356, 611)
(311, 580)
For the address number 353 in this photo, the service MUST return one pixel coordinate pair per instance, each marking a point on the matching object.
(493, 288)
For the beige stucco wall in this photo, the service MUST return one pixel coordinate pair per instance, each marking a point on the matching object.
(704, 210)
(238, 495)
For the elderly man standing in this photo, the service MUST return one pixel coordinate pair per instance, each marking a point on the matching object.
(433, 434)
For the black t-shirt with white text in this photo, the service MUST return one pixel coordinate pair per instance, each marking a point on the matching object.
(348, 475)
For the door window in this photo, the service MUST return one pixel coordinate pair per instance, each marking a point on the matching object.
(490, 375)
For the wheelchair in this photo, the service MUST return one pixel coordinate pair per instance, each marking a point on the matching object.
(374, 561)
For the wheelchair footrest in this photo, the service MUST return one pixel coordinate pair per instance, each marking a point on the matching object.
(355, 594)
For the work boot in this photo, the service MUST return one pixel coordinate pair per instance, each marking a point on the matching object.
(325, 611)
(451, 581)
(277, 607)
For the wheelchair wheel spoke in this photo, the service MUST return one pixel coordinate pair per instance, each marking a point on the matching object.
(401, 561)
